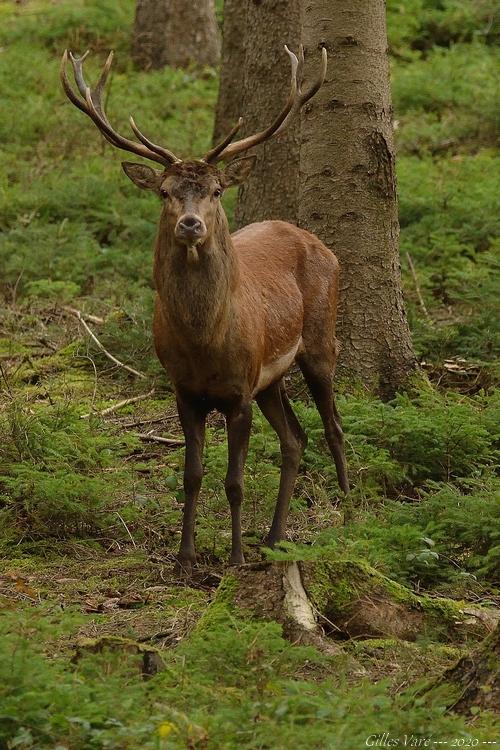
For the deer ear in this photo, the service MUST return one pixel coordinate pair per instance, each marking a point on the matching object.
(144, 177)
(237, 171)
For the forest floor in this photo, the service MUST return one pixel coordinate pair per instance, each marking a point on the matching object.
(102, 645)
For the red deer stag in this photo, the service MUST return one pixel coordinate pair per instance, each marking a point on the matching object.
(233, 311)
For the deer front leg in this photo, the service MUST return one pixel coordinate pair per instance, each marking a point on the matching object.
(275, 406)
(192, 418)
(239, 422)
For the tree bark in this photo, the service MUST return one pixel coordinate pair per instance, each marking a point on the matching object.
(348, 187)
(271, 191)
(176, 33)
(255, 82)
(230, 99)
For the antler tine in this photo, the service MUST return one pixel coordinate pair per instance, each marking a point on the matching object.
(169, 155)
(66, 86)
(253, 140)
(91, 105)
(82, 84)
(101, 83)
(304, 96)
(296, 99)
(77, 63)
(300, 69)
(317, 84)
(212, 155)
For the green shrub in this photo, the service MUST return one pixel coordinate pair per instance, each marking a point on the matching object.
(60, 502)
(422, 24)
(447, 537)
(50, 472)
(234, 684)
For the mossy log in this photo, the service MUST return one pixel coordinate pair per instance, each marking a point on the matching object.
(356, 600)
(347, 598)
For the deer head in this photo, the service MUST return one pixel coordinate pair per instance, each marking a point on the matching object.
(189, 190)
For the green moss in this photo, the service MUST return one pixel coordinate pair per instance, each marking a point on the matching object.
(370, 645)
(9, 348)
(336, 585)
(94, 645)
(221, 606)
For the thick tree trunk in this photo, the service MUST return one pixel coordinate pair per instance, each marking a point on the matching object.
(348, 187)
(271, 191)
(173, 32)
(232, 75)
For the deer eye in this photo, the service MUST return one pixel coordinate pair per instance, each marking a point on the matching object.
(163, 193)
(217, 193)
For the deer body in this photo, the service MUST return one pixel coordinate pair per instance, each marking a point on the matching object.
(241, 310)
(233, 312)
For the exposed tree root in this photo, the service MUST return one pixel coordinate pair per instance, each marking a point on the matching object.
(347, 598)
(477, 676)
(361, 602)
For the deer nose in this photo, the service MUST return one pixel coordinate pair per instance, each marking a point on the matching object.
(190, 227)
(190, 222)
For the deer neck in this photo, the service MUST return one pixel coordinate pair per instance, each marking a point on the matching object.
(196, 297)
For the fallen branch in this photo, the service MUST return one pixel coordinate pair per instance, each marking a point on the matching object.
(118, 405)
(159, 439)
(77, 314)
(94, 338)
(155, 420)
(127, 530)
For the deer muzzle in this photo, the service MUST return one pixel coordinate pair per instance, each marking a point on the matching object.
(190, 230)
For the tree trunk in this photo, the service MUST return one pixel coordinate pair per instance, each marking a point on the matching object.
(230, 99)
(173, 32)
(348, 187)
(271, 191)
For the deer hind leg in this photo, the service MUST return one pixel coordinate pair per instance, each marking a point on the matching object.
(275, 406)
(192, 417)
(319, 378)
(239, 422)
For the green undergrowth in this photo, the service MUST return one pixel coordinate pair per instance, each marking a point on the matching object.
(235, 685)
(90, 513)
(420, 468)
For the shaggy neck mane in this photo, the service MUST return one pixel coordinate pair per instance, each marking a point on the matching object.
(196, 297)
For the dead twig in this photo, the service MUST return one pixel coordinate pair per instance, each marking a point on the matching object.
(159, 439)
(94, 338)
(78, 314)
(127, 530)
(155, 420)
(119, 405)
(417, 288)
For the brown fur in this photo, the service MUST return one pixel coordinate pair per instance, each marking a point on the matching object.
(231, 313)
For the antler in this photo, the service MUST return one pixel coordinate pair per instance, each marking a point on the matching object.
(91, 105)
(296, 99)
